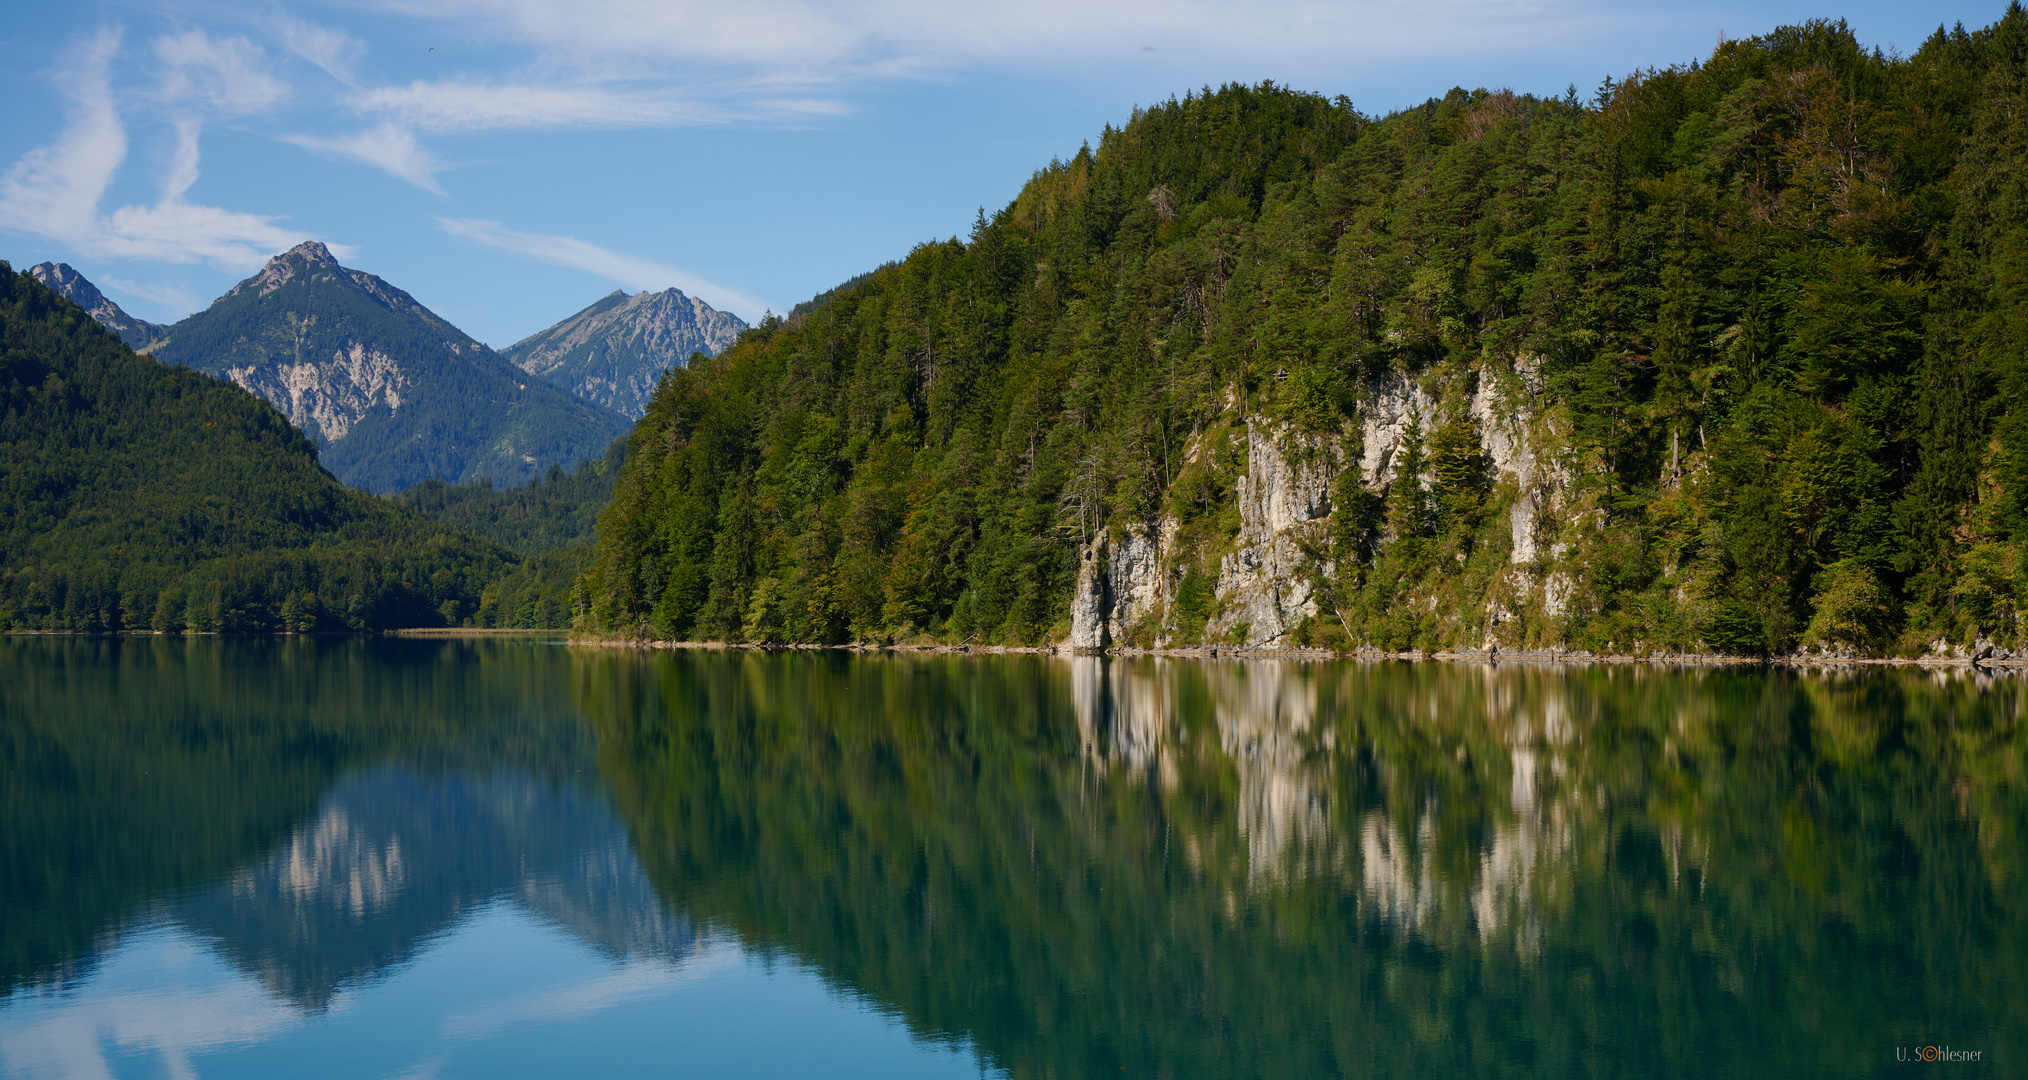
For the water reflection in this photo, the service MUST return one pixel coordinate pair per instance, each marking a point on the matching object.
(394, 858)
(1185, 868)
(218, 854)
(344, 858)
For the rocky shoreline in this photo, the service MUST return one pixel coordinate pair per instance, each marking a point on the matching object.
(1960, 657)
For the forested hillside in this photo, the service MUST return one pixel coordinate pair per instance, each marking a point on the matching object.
(549, 521)
(1724, 357)
(136, 495)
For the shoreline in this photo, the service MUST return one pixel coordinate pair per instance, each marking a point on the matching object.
(1222, 652)
(1572, 657)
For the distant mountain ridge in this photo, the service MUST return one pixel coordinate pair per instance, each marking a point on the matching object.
(74, 287)
(391, 393)
(613, 352)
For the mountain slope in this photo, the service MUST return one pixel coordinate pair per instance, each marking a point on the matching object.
(138, 495)
(1728, 359)
(390, 392)
(74, 287)
(614, 351)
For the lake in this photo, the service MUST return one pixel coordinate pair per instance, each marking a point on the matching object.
(511, 857)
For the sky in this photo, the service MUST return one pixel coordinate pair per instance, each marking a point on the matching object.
(508, 162)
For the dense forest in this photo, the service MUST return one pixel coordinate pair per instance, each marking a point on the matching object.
(549, 521)
(141, 496)
(1761, 317)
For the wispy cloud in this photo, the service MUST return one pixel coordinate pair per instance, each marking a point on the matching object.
(569, 1002)
(222, 75)
(625, 270)
(55, 191)
(388, 147)
(473, 105)
(833, 40)
(336, 51)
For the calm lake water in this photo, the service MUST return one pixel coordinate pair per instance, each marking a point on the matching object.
(503, 858)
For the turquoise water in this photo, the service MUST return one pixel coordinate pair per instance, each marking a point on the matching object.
(513, 858)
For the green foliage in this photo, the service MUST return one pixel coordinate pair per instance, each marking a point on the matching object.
(1771, 310)
(554, 510)
(135, 496)
(549, 521)
(1851, 608)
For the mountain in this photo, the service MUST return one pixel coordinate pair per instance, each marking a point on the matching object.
(1731, 357)
(614, 351)
(136, 495)
(74, 287)
(390, 392)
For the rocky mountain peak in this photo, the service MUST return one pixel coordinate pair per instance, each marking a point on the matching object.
(309, 251)
(66, 280)
(283, 268)
(615, 351)
(390, 392)
(73, 286)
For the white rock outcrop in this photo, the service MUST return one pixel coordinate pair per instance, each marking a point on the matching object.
(1264, 585)
(1391, 404)
(1506, 424)
(325, 398)
(1120, 585)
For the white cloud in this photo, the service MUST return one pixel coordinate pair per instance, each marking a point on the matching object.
(228, 75)
(336, 51)
(589, 997)
(827, 40)
(470, 105)
(625, 270)
(55, 191)
(389, 147)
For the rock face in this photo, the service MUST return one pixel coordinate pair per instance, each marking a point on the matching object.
(1120, 584)
(1265, 585)
(74, 287)
(1393, 405)
(391, 393)
(1505, 433)
(613, 352)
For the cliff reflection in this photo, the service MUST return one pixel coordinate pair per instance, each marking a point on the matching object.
(1184, 868)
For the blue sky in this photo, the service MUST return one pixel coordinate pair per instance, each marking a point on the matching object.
(510, 161)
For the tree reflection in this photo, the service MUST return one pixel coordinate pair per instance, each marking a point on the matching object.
(1277, 869)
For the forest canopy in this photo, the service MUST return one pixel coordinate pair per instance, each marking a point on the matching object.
(1769, 304)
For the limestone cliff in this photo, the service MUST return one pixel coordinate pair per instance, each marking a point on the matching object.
(1267, 573)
